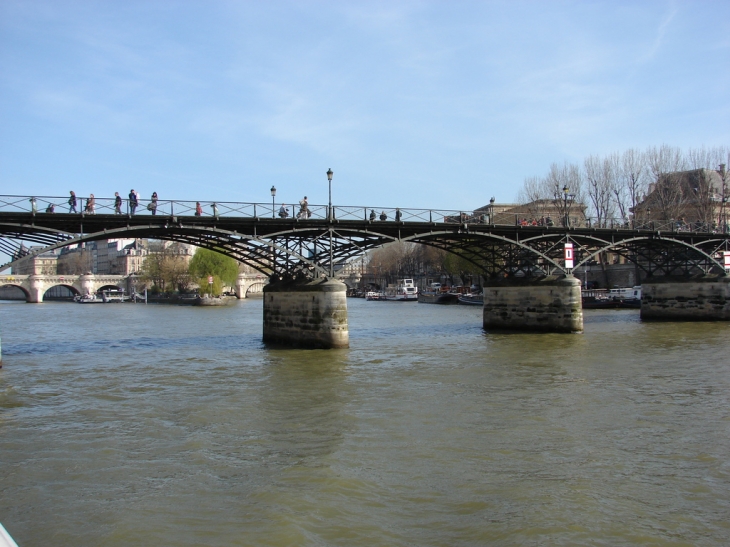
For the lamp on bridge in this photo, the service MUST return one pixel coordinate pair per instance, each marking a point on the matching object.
(565, 205)
(329, 179)
(723, 203)
(273, 195)
(491, 210)
(329, 216)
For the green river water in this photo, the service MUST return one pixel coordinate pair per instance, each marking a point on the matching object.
(160, 425)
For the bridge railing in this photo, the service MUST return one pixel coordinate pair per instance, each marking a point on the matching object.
(107, 206)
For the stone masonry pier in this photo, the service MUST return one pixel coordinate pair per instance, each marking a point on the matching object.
(551, 304)
(306, 314)
(705, 298)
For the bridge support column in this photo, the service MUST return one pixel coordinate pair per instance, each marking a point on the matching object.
(697, 299)
(306, 314)
(87, 284)
(37, 289)
(551, 304)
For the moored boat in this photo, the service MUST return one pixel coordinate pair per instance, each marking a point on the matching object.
(403, 291)
(436, 294)
(88, 299)
(601, 299)
(471, 299)
(214, 300)
(110, 296)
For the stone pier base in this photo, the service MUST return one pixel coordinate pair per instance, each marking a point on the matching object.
(551, 304)
(306, 314)
(698, 299)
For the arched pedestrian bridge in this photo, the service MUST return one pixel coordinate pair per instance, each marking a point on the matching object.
(527, 269)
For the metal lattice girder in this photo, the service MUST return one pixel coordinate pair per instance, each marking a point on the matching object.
(291, 247)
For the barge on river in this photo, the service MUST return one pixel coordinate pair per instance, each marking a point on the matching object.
(403, 291)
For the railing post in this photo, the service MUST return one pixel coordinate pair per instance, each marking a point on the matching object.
(430, 215)
(254, 210)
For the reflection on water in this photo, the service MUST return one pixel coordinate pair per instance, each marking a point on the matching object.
(159, 425)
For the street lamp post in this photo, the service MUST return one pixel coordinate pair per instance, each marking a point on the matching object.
(329, 179)
(723, 203)
(491, 210)
(565, 205)
(273, 206)
(329, 215)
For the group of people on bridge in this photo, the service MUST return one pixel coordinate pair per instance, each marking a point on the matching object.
(133, 201)
(90, 205)
(304, 211)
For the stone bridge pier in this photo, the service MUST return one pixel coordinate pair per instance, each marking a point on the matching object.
(306, 314)
(704, 298)
(551, 304)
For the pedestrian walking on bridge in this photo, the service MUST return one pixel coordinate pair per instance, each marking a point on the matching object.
(72, 203)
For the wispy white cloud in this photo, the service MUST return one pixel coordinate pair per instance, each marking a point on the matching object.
(659, 35)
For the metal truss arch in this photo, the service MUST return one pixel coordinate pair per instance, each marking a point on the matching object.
(498, 239)
(622, 246)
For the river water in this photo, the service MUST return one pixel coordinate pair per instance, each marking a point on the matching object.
(153, 425)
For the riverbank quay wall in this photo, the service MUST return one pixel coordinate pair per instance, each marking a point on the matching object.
(550, 304)
(306, 314)
(701, 298)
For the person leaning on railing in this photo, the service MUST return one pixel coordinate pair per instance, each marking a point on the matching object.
(152, 206)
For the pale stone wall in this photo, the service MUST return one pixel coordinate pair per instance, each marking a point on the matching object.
(703, 299)
(307, 315)
(35, 286)
(248, 283)
(552, 304)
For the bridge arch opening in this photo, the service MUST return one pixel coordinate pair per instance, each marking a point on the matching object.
(10, 291)
(60, 292)
(255, 290)
(110, 288)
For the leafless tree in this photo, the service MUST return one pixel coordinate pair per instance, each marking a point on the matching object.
(668, 199)
(75, 262)
(706, 185)
(631, 182)
(535, 194)
(653, 184)
(166, 267)
(565, 185)
(600, 176)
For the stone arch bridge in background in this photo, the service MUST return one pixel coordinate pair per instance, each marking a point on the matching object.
(35, 286)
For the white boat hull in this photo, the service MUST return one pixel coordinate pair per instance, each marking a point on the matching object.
(402, 297)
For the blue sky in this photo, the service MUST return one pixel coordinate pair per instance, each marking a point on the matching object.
(412, 104)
